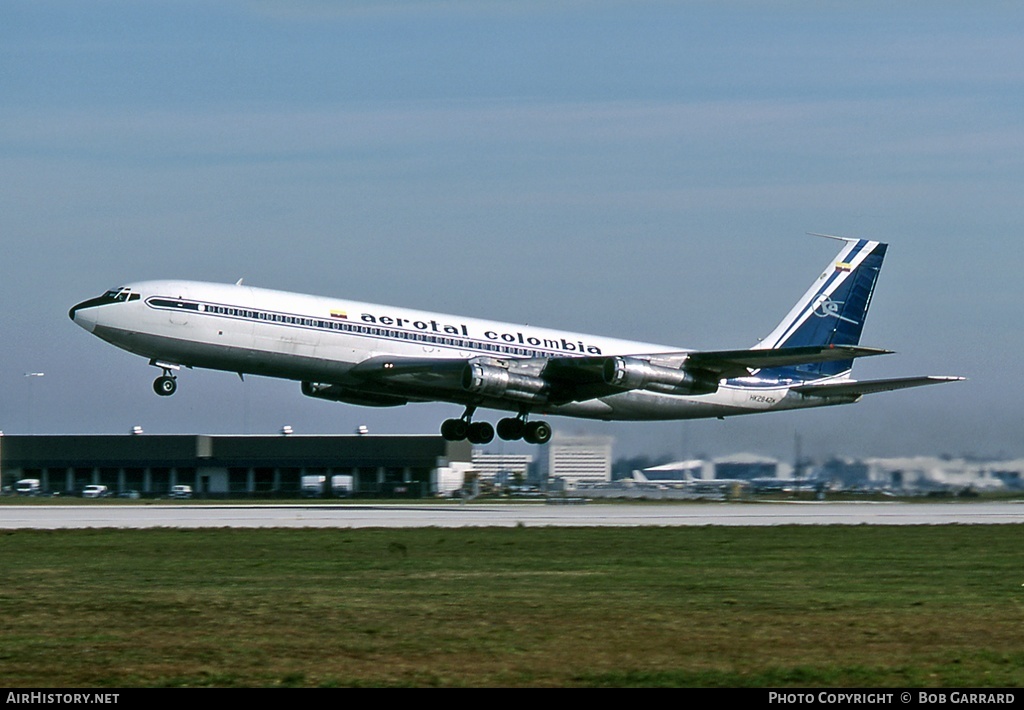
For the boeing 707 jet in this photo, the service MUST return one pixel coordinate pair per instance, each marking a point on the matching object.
(380, 356)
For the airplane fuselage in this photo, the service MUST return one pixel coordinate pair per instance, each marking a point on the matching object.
(375, 355)
(248, 330)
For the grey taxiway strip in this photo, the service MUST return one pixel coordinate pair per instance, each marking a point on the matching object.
(452, 515)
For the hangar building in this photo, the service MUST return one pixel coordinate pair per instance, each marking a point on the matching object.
(230, 466)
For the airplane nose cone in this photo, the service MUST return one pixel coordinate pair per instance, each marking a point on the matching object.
(81, 314)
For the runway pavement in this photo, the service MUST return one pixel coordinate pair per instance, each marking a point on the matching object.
(451, 515)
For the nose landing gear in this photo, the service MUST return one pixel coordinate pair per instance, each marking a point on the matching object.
(166, 384)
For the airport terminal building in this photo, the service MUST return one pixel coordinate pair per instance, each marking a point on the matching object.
(231, 466)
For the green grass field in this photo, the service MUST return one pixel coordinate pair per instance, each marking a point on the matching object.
(782, 606)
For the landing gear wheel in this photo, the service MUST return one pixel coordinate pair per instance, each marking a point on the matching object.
(165, 386)
(511, 428)
(537, 433)
(480, 433)
(454, 429)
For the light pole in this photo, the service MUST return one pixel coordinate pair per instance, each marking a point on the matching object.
(31, 375)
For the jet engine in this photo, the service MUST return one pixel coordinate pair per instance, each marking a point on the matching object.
(633, 373)
(492, 381)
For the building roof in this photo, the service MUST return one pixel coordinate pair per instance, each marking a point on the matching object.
(55, 451)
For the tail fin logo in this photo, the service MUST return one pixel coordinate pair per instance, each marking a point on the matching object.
(828, 308)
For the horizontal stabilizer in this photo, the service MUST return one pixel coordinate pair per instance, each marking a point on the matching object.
(738, 363)
(856, 389)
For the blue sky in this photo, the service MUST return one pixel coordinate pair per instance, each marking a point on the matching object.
(644, 170)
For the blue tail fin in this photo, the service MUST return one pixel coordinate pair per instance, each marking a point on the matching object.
(833, 310)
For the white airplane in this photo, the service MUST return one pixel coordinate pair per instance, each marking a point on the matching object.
(374, 355)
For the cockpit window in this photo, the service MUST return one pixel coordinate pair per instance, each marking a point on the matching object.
(114, 295)
(119, 295)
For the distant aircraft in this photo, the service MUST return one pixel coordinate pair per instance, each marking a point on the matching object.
(374, 355)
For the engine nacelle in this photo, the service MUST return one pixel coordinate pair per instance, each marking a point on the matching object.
(337, 393)
(492, 381)
(631, 373)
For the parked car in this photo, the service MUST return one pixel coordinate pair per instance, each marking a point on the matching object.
(95, 491)
(181, 491)
(28, 487)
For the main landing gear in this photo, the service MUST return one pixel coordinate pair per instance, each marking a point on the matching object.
(509, 429)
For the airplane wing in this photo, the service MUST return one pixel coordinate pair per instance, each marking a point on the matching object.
(720, 363)
(739, 363)
(556, 380)
(692, 372)
(423, 371)
(559, 380)
(857, 389)
(391, 381)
